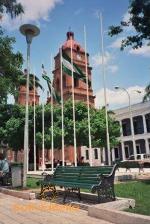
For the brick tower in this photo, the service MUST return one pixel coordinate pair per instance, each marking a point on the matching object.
(22, 96)
(79, 60)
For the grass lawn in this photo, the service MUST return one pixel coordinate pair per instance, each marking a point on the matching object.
(138, 190)
(31, 182)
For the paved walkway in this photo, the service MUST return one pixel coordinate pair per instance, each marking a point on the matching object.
(18, 211)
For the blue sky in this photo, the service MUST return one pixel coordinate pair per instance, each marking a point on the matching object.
(129, 69)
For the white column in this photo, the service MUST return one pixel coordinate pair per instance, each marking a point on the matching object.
(99, 155)
(113, 154)
(104, 157)
(144, 124)
(123, 151)
(147, 146)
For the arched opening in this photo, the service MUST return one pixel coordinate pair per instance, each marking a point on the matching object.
(76, 82)
(64, 81)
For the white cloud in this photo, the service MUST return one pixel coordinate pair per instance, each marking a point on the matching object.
(143, 51)
(117, 42)
(97, 59)
(34, 11)
(108, 61)
(118, 98)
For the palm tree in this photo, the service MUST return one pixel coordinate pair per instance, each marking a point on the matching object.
(11, 7)
(147, 94)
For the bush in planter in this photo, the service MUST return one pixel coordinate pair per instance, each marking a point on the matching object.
(129, 164)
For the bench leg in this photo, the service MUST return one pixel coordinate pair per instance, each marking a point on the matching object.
(79, 194)
(48, 188)
(65, 195)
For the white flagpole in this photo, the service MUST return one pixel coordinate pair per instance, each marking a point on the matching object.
(87, 92)
(43, 146)
(52, 118)
(105, 94)
(62, 109)
(73, 107)
(34, 125)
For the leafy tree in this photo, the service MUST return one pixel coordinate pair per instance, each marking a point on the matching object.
(11, 7)
(139, 11)
(10, 62)
(147, 95)
(98, 126)
(10, 66)
(12, 126)
(11, 75)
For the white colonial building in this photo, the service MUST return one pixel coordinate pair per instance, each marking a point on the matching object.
(140, 138)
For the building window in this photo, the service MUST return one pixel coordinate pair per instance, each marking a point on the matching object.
(96, 153)
(127, 154)
(87, 154)
(126, 127)
(138, 125)
(147, 117)
(138, 149)
(116, 153)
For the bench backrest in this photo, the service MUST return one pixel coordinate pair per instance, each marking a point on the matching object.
(83, 174)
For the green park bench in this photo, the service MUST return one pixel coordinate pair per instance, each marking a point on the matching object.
(99, 179)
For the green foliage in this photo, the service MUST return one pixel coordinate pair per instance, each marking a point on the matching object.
(12, 126)
(11, 75)
(147, 94)
(10, 62)
(140, 20)
(10, 67)
(11, 7)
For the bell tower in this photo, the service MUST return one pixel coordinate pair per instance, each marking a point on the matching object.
(22, 94)
(78, 52)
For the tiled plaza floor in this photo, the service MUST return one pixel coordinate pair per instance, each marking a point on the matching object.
(18, 211)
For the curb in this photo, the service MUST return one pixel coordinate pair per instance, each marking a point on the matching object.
(115, 216)
(18, 194)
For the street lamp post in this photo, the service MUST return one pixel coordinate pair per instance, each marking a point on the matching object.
(131, 120)
(29, 31)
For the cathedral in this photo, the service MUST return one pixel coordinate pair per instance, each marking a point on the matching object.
(80, 88)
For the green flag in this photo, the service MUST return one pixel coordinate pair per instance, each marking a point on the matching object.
(56, 97)
(67, 68)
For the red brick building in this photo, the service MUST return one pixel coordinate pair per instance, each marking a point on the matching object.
(80, 87)
(22, 96)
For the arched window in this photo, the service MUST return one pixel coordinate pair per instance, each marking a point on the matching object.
(78, 48)
(76, 82)
(64, 81)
